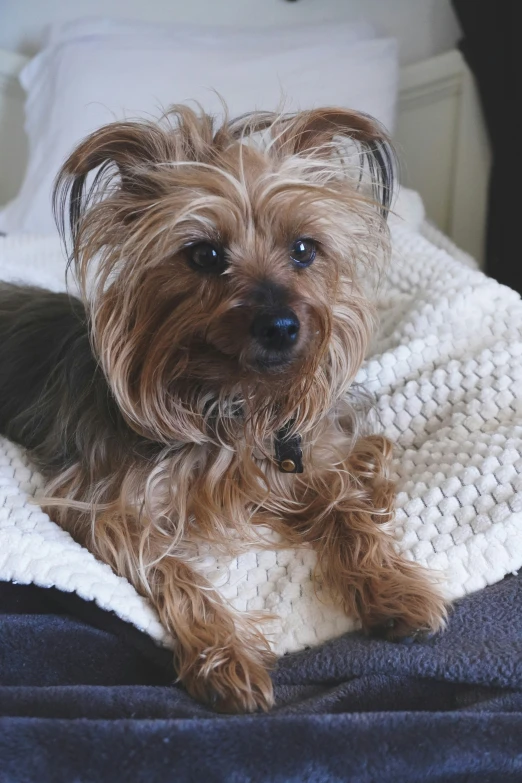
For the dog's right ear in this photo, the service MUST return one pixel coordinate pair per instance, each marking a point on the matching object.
(129, 157)
(117, 153)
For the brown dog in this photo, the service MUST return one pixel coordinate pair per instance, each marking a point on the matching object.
(203, 386)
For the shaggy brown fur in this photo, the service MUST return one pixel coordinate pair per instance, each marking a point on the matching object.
(226, 278)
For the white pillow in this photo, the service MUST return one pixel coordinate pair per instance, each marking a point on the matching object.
(89, 75)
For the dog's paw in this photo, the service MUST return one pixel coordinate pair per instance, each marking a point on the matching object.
(402, 604)
(232, 680)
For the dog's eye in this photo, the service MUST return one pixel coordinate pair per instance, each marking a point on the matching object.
(206, 257)
(303, 252)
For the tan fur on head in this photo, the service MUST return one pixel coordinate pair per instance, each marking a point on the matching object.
(181, 351)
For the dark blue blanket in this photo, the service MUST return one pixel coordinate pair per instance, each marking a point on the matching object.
(84, 697)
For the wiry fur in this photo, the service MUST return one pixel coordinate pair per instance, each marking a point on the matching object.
(151, 409)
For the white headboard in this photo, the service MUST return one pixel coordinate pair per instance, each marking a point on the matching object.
(443, 147)
(440, 138)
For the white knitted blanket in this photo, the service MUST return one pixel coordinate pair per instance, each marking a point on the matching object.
(446, 369)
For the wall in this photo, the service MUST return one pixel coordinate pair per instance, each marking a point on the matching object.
(423, 27)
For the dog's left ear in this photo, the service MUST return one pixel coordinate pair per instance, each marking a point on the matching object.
(324, 134)
(321, 132)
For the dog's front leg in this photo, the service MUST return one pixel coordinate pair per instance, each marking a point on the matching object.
(344, 518)
(221, 657)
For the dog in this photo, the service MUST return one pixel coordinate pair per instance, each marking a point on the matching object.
(201, 388)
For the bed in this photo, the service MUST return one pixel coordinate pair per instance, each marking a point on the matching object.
(87, 688)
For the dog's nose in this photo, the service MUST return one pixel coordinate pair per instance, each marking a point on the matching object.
(276, 330)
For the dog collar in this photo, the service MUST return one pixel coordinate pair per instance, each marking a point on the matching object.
(288, 451)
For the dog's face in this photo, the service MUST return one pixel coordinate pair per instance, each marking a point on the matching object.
(226, 265)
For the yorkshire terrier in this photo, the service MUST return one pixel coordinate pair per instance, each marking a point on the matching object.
(201, 387)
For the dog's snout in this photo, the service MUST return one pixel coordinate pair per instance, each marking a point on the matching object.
(276, 329)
